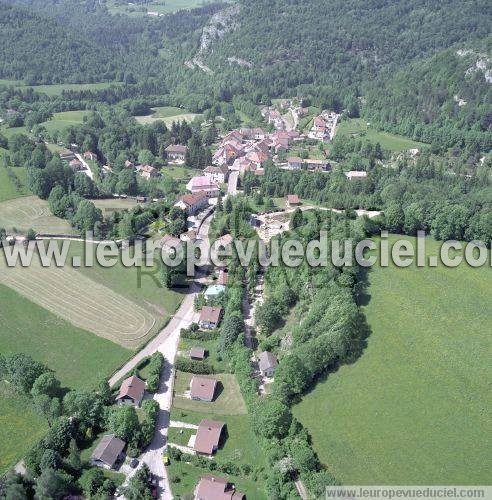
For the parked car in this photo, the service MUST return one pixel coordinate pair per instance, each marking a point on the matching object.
(133, 463)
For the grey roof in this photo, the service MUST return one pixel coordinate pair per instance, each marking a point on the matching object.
(267, 361)
(108, 449)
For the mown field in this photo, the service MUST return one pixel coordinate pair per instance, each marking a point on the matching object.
(162, 7)
(415, 408)
(31, 212)
(63, 120)
(13, 183)
(167, 114)
(357, 127)
(53, 90)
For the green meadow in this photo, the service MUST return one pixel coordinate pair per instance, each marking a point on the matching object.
(61, 121)
(357, 127)
(13, 183)
(167, 114)
(415, 407)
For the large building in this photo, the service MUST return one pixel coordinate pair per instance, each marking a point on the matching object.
(203, 184)
(192, 203)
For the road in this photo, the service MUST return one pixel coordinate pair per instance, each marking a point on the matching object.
(232, 183)
(166, 342)
(87, 170)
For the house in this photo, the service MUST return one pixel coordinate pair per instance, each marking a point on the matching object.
(108, 452)
(210, 317)
(242, 165)
(216, 488)
(223, 278)
(169, 242)
(258, 158)
(217, 174)
(192, 203)
(355, 174)
(233, 135)
(67, 155)
(203, 184)
(293, 200)
(268, 363)
(76, 165)
(129, 164)
(253, 134)
(141, 199)
(294, 162)
(190, 235)
(208, 436)
(259, 172)
(147, 172)
(226, 154)
(202, 388)
(132, 390)
(197, 353)
(213, 291)
(319, 165)
(89, 155)
(176, 152)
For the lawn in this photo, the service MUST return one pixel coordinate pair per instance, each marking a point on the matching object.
(228, 399)
(31, 212)
(111, 205)
(167, 114)
(63, 120)
(210, 346)
(180, 173)
(13, 183)
(184, 477)
(20, 427)
(357, 127)
(53, 90)
(415, 408)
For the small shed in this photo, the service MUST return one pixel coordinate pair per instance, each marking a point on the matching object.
(197, 353)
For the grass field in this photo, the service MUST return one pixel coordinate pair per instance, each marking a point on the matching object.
(357, 127)
(61, 121)
(20, 427)
(111, 205)
(180, 173)
(9, 189)
(415, 408)
(213, 358)
(53, 90)
(162, 7)
(31, 212)
(228, 399)
(167, 114)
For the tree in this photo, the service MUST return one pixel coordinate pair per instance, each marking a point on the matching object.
(139, 485)
(86, 216)
(84, 185)
(296, 219)
(73, 459)
(394, 218)
(21, 371)
(104, 391)
(268, 316)
(272, 418)
(127, 182)
(50, 460)
(86, 407)
(232, 327)
(123, 422)
(49, 408)
(46, 384)
(52, 485)
(90, 481)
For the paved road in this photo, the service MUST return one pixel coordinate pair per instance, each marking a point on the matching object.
(87, 170)
(232, 183)
(167, 343)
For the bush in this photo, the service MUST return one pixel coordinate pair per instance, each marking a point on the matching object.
(188, 333)
(155, 366)
(190, 366)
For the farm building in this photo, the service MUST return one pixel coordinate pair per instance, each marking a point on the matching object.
(355, 174)
(292, 200)
(268, 364)
(197, 353)
(108, 452)
(202, 388)
(216, 488)
(131, 391)
(176, 152)
(208, 436)
(192, 203)
(295, 162)
(210, 317)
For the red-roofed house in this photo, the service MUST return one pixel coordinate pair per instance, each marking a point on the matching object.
(210, 317)
(293, 200)
(132, 390)
(192, 203)
(216, 488)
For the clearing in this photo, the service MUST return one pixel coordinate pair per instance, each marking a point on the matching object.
(167, 114)
(228, 399)
(415, 408)
(162, 7)
(63, 120)
(357, 127)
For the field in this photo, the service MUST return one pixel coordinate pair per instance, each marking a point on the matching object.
(31, 212)
(53, 90)
(110, 205)
(180, 173)
(167, 114)
(228, 399)
(415, 408)
(61, 121)
(357, 127)
(106, 300)
(20, 427)
(8, 188)
(162, 7)
(212, 355)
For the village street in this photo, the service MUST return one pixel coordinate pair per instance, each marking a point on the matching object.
(166, 342)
